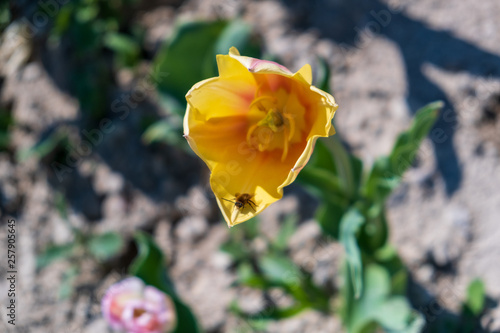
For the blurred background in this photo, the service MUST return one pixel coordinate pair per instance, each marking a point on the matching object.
(91, 101)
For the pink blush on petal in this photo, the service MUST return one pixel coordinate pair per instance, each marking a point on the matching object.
(256, 63)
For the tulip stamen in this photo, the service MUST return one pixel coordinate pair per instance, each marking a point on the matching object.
(285, 145)
(250, 132)
(263, 134)
(258, 102)
(291, 123)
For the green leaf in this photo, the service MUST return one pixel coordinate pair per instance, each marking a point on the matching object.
(341, 172)
(286, 231)
(186, 321)
(53, 253)
(87, 13)
(245, 272)
(387, 171)
(381, 181)
(323, 180)
(149, 266)
(66, 287)
(333, 175)
(269, 313)
(349, 226)
(245, 232)
(125, 47)
(377, 308)
(350, 168)
(357, 313)
(105, 246)
(168, 131)
(63, 20)
(387, 257)
(375, 230)
(280, 269)
(247, 325)
(394, 313)
(322, 80)
(187, 58)
(414, 324)
(6, 121)
(248, 230)
(237, 250)
(4, 140)
(329, 215)
(43, 147)
(321, 174)
(121, 43)
(255, 281)
(238, 244)
(190, 55)
(238, 34)
(61, 205)
(322, 157)
(4, 15)
(172, 107)
(408, 142)
(476, 296)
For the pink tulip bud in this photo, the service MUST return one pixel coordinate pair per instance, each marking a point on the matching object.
(132, 307)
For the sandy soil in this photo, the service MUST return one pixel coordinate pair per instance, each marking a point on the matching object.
(387, 58)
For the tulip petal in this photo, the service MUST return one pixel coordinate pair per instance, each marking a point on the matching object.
(325, 108)
(214, 139)
(231, 68)
(262, 174)
(131, 306)
(259, 66)
(222, 118)
(306, 73)
(220, 97)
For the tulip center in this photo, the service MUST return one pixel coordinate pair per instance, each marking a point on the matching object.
(273, 126)
(138, 312)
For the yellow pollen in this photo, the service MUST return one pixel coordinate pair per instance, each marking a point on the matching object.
(275, 130)
(274, 120)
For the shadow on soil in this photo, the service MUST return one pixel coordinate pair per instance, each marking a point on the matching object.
(353, 24)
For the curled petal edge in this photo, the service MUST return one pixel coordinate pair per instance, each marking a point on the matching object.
(259, 66)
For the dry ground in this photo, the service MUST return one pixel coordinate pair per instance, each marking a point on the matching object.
(444, 217)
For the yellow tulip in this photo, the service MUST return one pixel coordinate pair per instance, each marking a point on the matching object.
(255, 126)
